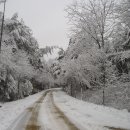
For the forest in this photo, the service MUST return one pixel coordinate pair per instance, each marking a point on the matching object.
(95, 67)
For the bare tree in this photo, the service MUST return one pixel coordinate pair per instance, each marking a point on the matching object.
(94, 17)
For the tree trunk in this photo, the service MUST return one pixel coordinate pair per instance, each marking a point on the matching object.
(104, 82)
(81, 93)
(2, 26)
(18, 89)
(103, 98)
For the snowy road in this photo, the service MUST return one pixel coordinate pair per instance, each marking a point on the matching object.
(29, 120)
(55, 110)
(54, 118)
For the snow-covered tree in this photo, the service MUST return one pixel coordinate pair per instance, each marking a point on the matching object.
(94, 19)
(20, 62)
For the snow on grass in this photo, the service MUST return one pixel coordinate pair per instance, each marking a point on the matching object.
(10, 111)
(90, 116)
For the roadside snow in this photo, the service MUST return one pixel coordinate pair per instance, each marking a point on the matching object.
(90, 116)
(10, 111)
(85, 116)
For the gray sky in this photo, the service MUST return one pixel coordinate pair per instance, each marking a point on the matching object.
(46, 18)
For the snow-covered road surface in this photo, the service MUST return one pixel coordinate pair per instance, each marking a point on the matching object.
(55, 110)
(13, 111)
(88, 116)
(52, 118)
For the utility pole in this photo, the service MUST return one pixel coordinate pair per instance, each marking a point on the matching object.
(2, 25)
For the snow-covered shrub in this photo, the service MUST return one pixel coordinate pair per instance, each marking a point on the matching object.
(25, 88)
(20, 61)
(84, 71)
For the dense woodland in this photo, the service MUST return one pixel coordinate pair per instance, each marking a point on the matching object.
(22, 72)
(95, 67)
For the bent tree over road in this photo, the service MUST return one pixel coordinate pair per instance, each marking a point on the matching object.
(55, 110)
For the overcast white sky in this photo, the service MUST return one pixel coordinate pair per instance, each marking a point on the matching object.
(46, 18)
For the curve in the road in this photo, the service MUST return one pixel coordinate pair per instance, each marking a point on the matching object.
(57, 114)
(45, 108)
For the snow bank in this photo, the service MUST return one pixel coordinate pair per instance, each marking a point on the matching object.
(91, 116)
(10, 111)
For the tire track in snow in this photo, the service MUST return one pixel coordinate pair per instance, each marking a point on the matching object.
(62, 116)
(58, 119)
(33, 121)
(113, 128)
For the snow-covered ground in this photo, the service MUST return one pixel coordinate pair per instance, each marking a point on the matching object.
(10, 111)
(53, 114)
(90, 116)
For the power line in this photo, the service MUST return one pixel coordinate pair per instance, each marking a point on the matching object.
(2, 25)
